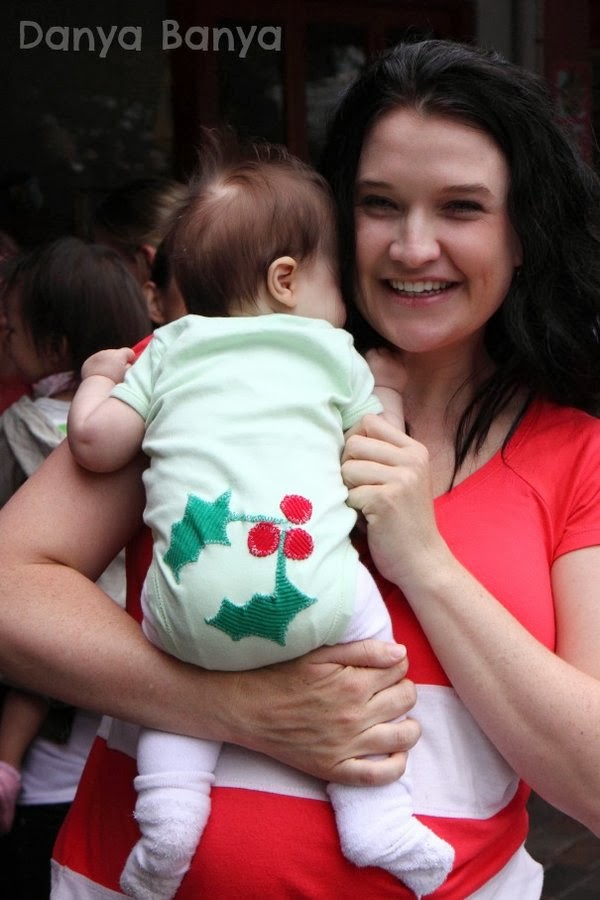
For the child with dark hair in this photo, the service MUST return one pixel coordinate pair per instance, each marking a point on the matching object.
(60, 302)
(164, 299)
(133, 219)
(242, 408)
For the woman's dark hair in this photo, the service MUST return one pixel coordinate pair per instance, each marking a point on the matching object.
(80, 292)
(546, 336)
(246, 207)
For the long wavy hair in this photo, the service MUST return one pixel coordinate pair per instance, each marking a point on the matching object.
(545, 338)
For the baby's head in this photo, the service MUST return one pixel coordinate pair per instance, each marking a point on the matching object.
(256, 235)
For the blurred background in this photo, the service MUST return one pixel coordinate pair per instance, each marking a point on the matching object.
(97, 94)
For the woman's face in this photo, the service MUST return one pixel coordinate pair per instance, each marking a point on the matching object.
(436, 251)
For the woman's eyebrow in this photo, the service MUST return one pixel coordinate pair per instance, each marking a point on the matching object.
(372, 183)
(475, 188)
(468, 188)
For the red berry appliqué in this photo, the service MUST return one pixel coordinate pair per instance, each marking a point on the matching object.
(297, 544)
(263, 539)
(296, 509)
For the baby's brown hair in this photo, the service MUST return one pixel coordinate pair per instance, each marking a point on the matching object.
(244, 210)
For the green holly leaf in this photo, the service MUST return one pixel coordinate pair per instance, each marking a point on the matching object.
(202, 523)
(264, 615)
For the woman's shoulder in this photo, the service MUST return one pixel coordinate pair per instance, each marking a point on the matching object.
(555, 446)
(564, 429)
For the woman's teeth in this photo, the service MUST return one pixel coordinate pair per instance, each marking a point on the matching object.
(419, 287)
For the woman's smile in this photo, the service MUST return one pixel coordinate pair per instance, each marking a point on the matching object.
(435, 247)
(424, 292)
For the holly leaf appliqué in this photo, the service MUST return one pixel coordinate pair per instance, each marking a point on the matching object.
(264, 615)
(203, 523)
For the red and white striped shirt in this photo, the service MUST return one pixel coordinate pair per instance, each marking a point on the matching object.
(271, 831)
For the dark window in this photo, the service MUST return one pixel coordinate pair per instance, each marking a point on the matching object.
(283, 90)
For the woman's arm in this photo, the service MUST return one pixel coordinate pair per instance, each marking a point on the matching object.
(540, 709)
(61, 635)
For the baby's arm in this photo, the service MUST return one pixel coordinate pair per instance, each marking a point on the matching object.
(390, 378)
(104, 433)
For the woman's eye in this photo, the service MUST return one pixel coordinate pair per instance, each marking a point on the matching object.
(374, 203)
(466, 207)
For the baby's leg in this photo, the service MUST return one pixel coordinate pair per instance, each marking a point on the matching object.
(175, 776)
(376, 824)
(173, 785)
(377, 828)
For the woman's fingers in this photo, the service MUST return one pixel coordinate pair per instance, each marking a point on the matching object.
(325, 711)
(367, 772)
(388, 476)
(379, 443)
(378, 428)
(369, 653)
(390, 742)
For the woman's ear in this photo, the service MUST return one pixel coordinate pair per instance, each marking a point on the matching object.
(281, 280)
(154, 303)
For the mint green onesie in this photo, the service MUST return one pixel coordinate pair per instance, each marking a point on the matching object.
(252, 561)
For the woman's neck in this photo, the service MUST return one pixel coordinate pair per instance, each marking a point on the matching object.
(440, 387)
(438, 391)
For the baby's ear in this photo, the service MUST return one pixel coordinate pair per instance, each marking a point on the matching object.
(154, 303)
(281, 278)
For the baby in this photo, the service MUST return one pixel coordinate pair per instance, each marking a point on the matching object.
(242, 407)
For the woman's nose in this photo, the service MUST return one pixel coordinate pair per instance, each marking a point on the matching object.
(415, 242)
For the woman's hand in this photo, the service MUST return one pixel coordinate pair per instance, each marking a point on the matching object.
(388, 478)
(326, 712)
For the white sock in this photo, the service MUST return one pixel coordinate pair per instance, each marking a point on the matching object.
(171, 810)
(377, 828)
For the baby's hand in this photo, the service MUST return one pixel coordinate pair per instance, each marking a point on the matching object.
(387, 368)
(111, 363)
(389, 373)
